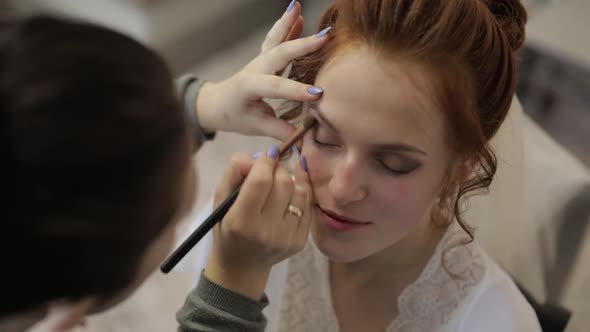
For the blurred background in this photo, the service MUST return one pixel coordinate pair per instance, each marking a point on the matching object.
(213, 39)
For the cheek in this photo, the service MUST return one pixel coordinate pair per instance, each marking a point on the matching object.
(392, 197)
(400, 200)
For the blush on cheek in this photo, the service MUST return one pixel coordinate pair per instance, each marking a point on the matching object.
(402, 192)
(392, 198)
(395, 192)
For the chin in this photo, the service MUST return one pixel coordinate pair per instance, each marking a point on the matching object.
(336, 250)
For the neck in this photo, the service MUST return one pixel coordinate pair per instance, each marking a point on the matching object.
(403, 261)
(21, 321)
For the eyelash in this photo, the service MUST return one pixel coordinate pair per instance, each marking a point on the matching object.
(384, 167)
(391, 171)
(321, 144)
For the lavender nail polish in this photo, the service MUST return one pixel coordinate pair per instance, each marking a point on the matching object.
(315, 90)
(303, 163)
(273, 152)
(323, 32)
(256, 155)
(296, 150)
(291, 5)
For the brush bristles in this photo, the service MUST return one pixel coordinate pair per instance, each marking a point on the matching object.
(309, 122)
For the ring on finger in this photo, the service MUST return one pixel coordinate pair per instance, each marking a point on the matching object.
(292, 209)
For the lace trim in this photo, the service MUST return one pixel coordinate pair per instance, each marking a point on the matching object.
(452, 271)
(427, 304)
(306, 304)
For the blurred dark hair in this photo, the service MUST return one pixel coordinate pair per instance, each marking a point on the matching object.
(93, 145)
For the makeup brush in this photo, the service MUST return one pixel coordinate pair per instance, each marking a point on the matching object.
(220, 212)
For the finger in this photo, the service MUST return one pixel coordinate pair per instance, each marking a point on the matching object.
(280, 195)
(259, 182)
(292, 219)
(296, 30)
(275, 87)
(280, 56)
(271, 126)
(281, 28)
(298, 204)
(293, 34)
(239, 167)
(302, 181)
(268, 124)
(264, 108)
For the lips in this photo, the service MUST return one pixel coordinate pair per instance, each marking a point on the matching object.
(340, 223)
(342, 218)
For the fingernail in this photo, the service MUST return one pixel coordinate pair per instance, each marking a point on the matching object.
(291, 5)
(323, 32)
(315, 90)
(296, 150)
(303, 163)
(255, 155)
(273, 152)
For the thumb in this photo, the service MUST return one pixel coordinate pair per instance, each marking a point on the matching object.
(270, 125)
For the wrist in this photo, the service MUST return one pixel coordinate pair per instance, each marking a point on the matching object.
(248, 281)
(205, 107)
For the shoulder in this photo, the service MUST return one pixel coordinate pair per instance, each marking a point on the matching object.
(498, 305)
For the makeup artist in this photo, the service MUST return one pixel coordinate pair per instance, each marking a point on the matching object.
(96, 153)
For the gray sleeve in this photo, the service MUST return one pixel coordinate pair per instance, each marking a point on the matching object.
(187, 87)
(210, 307)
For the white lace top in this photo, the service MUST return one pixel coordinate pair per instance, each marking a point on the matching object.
(479, 297)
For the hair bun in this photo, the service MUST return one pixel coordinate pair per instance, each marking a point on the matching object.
(511, 17)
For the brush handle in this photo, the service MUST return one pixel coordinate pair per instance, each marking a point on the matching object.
(200, 232)
(220, 212)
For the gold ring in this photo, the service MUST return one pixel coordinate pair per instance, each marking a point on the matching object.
(295, 211)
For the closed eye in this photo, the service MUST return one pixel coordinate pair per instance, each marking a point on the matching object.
(401, 168)
(321, 143)
(394, 171)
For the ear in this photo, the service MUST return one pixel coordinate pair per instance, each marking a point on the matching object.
(73, 314)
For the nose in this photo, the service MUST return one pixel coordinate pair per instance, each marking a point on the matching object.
(346, 185)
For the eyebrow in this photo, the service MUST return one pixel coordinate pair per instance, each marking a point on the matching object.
(321, 117)
(395, 147)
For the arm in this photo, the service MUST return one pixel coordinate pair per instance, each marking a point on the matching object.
(188, 88)
(256, 234)
(236, 104)
(211, 307)
(230, 293)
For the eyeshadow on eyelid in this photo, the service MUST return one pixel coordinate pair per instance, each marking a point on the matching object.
(399, 160)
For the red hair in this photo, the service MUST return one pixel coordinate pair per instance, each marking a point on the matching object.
(469, 47)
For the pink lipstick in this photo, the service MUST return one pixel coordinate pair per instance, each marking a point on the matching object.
(339, 222)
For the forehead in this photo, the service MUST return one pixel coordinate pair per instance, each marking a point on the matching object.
(386, 99)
